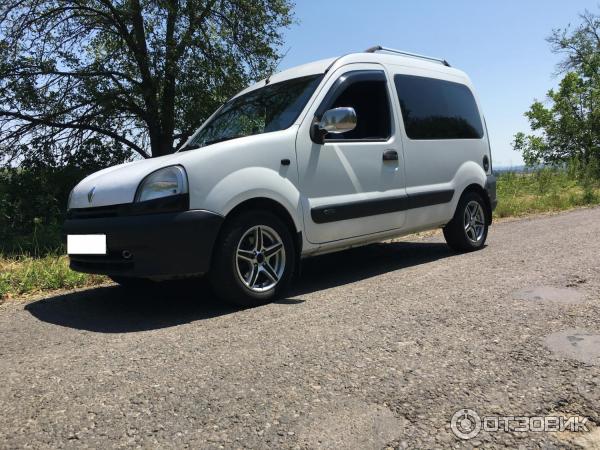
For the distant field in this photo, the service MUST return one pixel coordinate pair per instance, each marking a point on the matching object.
(545, 190)
(519, 194)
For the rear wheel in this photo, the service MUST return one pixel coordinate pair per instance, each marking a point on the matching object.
(468, 230)
(254, 260)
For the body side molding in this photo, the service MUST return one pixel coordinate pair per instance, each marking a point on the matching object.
(364, 208)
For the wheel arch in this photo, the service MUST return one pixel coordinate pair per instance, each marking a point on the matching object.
(272, 206)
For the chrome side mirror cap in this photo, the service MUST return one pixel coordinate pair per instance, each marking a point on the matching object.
(334, 121)
(338, 120)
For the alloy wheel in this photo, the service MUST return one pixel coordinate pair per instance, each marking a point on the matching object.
(260, 258)
(474, 221)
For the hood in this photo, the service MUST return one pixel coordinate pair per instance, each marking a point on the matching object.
(117, 184)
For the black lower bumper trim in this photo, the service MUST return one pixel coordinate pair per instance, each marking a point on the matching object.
(152, 245)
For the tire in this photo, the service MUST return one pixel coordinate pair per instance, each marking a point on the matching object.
(132, 282)
(242, 272)
(467, 231)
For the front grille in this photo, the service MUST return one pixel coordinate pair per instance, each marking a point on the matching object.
(98, 212)
(173, 203)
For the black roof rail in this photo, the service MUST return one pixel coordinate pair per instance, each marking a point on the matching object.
(379, 48)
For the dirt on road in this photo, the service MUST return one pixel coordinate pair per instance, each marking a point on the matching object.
(376, 347)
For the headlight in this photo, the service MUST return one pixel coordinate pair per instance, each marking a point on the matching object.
(164, 182)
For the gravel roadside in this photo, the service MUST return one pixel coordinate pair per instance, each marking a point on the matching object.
(378, 346)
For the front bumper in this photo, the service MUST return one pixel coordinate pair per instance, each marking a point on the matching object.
(160, 245)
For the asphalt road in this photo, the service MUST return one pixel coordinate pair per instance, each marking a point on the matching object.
(377, 347)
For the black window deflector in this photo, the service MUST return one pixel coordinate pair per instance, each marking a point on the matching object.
(347, 79)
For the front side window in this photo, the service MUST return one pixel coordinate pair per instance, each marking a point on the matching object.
(367, 93)
(273, 107)
(437, 109)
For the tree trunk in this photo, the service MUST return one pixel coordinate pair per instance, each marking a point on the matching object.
(161, 143)
(167, 104)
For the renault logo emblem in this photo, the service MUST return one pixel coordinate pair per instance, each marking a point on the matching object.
(91, 194)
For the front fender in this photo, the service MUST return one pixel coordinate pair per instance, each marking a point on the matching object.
(255, 182)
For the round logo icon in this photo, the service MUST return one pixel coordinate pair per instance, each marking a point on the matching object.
(465, 424)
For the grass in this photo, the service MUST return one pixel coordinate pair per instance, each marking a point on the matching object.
(519, 194)
(27, 275)
(545, 190)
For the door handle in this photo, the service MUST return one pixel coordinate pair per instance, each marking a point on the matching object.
(390, 155)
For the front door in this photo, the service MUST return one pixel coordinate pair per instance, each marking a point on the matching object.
(352, 183)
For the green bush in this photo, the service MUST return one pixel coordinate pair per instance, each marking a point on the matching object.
(33, 198)
(33, 203)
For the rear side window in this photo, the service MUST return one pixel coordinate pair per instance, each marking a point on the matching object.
(437, 109)
(367, 93)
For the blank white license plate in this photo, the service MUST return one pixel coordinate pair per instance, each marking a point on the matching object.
(86, 244)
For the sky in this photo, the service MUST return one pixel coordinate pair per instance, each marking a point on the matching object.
(501, 45)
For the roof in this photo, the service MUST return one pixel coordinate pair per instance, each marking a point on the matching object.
(311, 68)
(321, 66)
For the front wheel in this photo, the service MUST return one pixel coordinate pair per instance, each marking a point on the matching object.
(468, 229)
(254, 260)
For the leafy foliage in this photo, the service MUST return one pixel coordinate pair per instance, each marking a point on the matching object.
(136, 75)
(33, 197)
(568, 126)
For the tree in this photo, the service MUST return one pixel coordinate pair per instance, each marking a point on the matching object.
(130, 74)
(568, 126)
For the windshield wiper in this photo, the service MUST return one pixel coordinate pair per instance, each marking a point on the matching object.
(222, 139)
(189, 147)
(213, 141)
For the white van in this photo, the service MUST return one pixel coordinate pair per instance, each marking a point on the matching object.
(318, 158)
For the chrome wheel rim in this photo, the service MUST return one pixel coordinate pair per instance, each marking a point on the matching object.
(474, 222)
(260, 258)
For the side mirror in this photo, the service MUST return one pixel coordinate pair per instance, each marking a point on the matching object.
(334, 121)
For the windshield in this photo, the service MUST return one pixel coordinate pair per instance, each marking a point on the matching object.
(273, 107)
